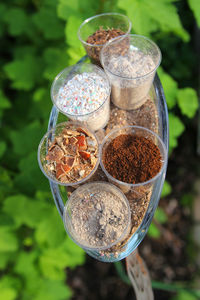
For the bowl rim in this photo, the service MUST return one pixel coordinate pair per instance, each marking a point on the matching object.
(97, 16)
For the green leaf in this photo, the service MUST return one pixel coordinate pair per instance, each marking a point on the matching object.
(8, 240)
(75, 54)
(66, 9)
(52, 290)
(48, 24)
(25, 211)
(4, 101)
(39, 94)
(71, 29)
(6, 184)
(195, 7)
(4, 259)
(160, 215)
(184, 295)
(2, 148)
(149, 16)
(176, 128)
(27, 139)
(24, 72)
(26, 265)
(17, 21)
(50, 230)
(2, 13)
(153, 231)
(170, 87)
(7, 292)
(166, 189)
(53, 262)
(30, 176)
(75, 253)
(55, 60)
(188, 101)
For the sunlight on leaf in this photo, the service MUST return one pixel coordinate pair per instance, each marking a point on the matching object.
(188, 101)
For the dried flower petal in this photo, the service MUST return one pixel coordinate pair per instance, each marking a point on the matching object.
(85, 154)
(81, 142)
(56, 154)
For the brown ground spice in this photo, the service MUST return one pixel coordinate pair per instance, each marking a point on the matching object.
(132, 159)
(100, 37)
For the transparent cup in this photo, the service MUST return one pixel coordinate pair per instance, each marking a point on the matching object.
(104, 21)
(82, 217)
(47, 142)
(137, 190)
(98, 115)
(130, 63)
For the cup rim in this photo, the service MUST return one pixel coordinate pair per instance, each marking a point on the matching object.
(100, 15)
(80, 124)
(99, 248)
(121, 37)
(133, 185)
(76, 67)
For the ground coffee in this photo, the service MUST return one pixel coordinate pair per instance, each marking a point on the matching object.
(132, 159)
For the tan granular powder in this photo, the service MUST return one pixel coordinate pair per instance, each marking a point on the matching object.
(99, 219)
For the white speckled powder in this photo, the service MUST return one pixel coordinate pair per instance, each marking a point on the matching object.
(85, 97)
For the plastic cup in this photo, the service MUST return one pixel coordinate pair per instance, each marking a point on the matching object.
(47, 141)
(138, 189)
(82, 207)
(104, 21)
(130, 63)
(96, 118)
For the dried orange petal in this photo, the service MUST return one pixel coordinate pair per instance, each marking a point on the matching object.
(56, 154)
(85, 154)
(81, 142)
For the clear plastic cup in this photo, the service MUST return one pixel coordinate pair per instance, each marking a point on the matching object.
(97, 115)
(48, 140)
(104, 21)
(83, 215)
(138, 189)
(130, 63)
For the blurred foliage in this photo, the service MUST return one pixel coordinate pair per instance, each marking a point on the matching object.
(39, 39)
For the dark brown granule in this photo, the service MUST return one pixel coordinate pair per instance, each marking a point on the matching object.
(100, 37)
(132, 159)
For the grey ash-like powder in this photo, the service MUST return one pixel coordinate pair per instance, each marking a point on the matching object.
(134, 73)
(98, 217)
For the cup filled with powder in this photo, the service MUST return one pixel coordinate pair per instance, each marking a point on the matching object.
(97, 216)
(82, 93)
(94, 32)
(130, 63)
(69, 154)
(133, 158)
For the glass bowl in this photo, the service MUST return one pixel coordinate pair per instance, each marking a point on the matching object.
(97, 216)
(53, 168)
(136, 189)
(104, 21)
(90, 91)
(130, 63)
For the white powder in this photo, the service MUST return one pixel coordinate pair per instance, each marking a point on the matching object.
(85, 97)
(131, 77)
